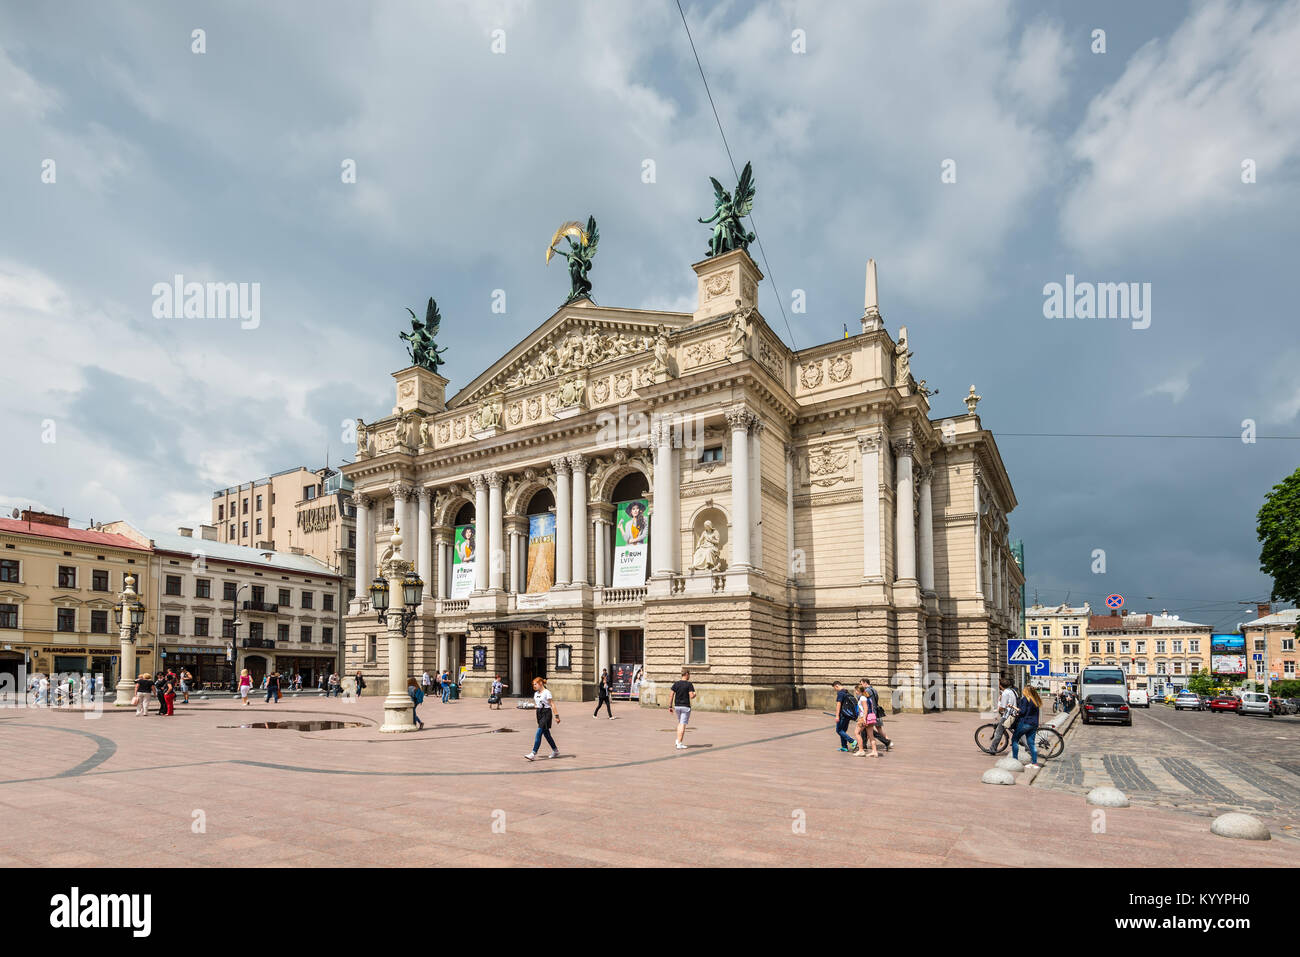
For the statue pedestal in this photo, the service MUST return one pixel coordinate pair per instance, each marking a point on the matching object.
(420, 389)
(724, 279)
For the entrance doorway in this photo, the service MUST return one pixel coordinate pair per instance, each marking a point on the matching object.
(630, 649)
(13, 679)
(256, 666)
(534, 660)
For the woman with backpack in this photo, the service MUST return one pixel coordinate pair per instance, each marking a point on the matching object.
(1027, 709)
(845, 711)
(416, 694)
(866, 723)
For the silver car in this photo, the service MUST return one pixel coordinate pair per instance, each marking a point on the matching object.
(1191, 701)
(1255, 702)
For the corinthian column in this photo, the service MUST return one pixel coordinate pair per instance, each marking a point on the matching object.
(563, 526)
(756, 491)
(662, 534)
(869, 446)
(424, 554)
(740, 420)
(904, 526)
(578, 463)
(365, 544)
(482, 534)
(496, 533)
(927, 532)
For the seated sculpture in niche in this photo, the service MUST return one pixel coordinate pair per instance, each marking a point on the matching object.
(708, 550)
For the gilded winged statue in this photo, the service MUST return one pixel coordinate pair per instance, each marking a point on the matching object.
(579, 255)
(420, 345)
(728, 230)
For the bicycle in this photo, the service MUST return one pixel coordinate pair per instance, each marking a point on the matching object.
(994, 739)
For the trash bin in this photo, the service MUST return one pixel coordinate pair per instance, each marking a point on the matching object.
(455, 692)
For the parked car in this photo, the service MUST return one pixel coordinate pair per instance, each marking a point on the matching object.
(1106, 707)
(1225, 702)
(1170, 698)
(1255, 702)
(1189, 701)
(1137, 698)
(1295, 705)
(1281, 706)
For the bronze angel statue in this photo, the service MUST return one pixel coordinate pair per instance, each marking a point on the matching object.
(728, 231)
(579, 255)
(420, 345)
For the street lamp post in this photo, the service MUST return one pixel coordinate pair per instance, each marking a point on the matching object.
(234, 630)
(129, 615)
(397, 577)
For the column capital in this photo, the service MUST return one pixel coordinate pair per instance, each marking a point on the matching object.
(400, 492)
(362, 500)
(478, 483)
(927, 473)
(756, 425)
(905, 446)
(494, 479)
(425, 494)
(740, 418)
(871, 441)
(578, 463)
(561, 464)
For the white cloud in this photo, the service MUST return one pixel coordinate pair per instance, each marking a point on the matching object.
(1163, 146)
(1037, 75)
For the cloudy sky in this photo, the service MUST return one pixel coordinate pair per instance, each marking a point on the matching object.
(470, 145)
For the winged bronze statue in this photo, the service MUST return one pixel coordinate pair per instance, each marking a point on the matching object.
(728, 230)
(420, 345)
(579, 255)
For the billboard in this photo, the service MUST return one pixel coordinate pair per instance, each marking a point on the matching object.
(1228, 654)
(464, 554)
(631, 542)
(541, 553)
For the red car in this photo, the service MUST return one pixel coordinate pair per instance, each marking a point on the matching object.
(1225, 702)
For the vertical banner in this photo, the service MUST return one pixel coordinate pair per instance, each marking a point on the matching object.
(541, 553)
(464, 554)
(631, 543)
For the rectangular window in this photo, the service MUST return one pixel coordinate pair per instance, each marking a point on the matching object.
(1110, 647)
(259, 593)
(697, 644)
(1288, 644)
(173, 584)
(1288, 668)
(308, 491)
(1178, 646)
(372, 647)
(712, 454)
(305, 633)
(1033, 631)
(1141, 647)
(327, 601)
(1259, 644)
(1074, 631)
(307, 599)
(1095, 647)
(243, 532)
(67, 619)
(1194, 646)
(1046, 648)
(228, 591)
(171, 624)
(259, 526)
(232, 529)
(221, 513)
(245, 506)
(227, 628)
(1142, 666)
(67, 576)
(259, 503)
(203, 588)
(327, 636)
(99, 579)
(99, 623)
(284, 597)
(1160, 647)
(352, 538)
(1047, 631)
(8, 570)
(1123, 647)
(8, 616)
(255, 630)
(282, 632)
(1178, 667)
(201, 627)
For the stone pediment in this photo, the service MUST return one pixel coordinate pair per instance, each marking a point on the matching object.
(568, 345)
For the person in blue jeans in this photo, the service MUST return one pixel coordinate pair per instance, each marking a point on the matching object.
(416, 695)
(845, 711)
(446, 687)
(1027, 709)
(545, 705)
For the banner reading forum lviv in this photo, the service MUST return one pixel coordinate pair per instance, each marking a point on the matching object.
(464, 554)
(631, 543)
(541, 553)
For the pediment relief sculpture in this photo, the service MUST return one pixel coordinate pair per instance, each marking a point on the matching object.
(576, 351)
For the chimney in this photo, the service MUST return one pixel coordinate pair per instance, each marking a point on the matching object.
(208, 532)
(266, 546)
(31, 516)
(1264, 608)
(295, 550)
(184, 532)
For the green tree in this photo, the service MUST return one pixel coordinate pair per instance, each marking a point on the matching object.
(1278, 526)
(1202, 683)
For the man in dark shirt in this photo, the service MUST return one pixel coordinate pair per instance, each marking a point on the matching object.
(845, 711)
(683, 691)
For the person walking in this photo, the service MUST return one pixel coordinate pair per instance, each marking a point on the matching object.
(446, 686)
(498, 689)
(879, 730)
(602, 695)
(416, 694)
(273, 687)
(245, 686)
(159, 684)
(867, 719)
(426, 682)
(143, 692)
(360, 685)
(169, 694)
(335, 685)
(682, 693)
(187, 679)
(544, 704)
(846, 710)
(1028, 707)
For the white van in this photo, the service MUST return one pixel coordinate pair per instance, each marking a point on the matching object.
(1102, 679)
(1137, 698)
(1254, 702)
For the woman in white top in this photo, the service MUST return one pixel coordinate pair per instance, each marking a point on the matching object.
(545, 705)
(866, 723)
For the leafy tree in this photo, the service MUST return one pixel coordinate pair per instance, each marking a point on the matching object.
(1286, 688)
(1278, 527)
(1202, 683)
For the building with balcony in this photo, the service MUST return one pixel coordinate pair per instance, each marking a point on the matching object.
(58, 587)
(1062, 633)
(283, 610)
(656, 490)
(1157, 652)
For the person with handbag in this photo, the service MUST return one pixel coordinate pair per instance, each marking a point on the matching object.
(544, 703)
(878, 731)
(169, 694)
(245, 686)
(602, 695)
(866, 723)
(361, 684)
(143, 691)
(1027, 709)
(416, 694)
(1006, 712)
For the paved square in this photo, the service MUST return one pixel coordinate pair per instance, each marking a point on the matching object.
(750, 790)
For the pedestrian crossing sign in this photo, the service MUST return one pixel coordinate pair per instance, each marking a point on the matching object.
(1022, 651)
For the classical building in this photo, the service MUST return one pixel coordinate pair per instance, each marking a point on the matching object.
(58, 586)
(1272, 637)
(1062, 634)
(296, 509)
(284, 610)
(808, 520)
(1157, 652)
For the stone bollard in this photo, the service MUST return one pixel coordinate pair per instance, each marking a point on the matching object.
(998, 776)
(1241, 826)
(1010, 764)
(1107, 797)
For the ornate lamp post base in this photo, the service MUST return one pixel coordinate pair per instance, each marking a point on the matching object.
(397, 714)
(125, 692)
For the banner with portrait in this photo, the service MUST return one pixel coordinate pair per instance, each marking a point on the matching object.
(541, 553)
(464, 554)
(631, 543)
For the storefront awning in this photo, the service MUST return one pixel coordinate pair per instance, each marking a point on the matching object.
(508, 624)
